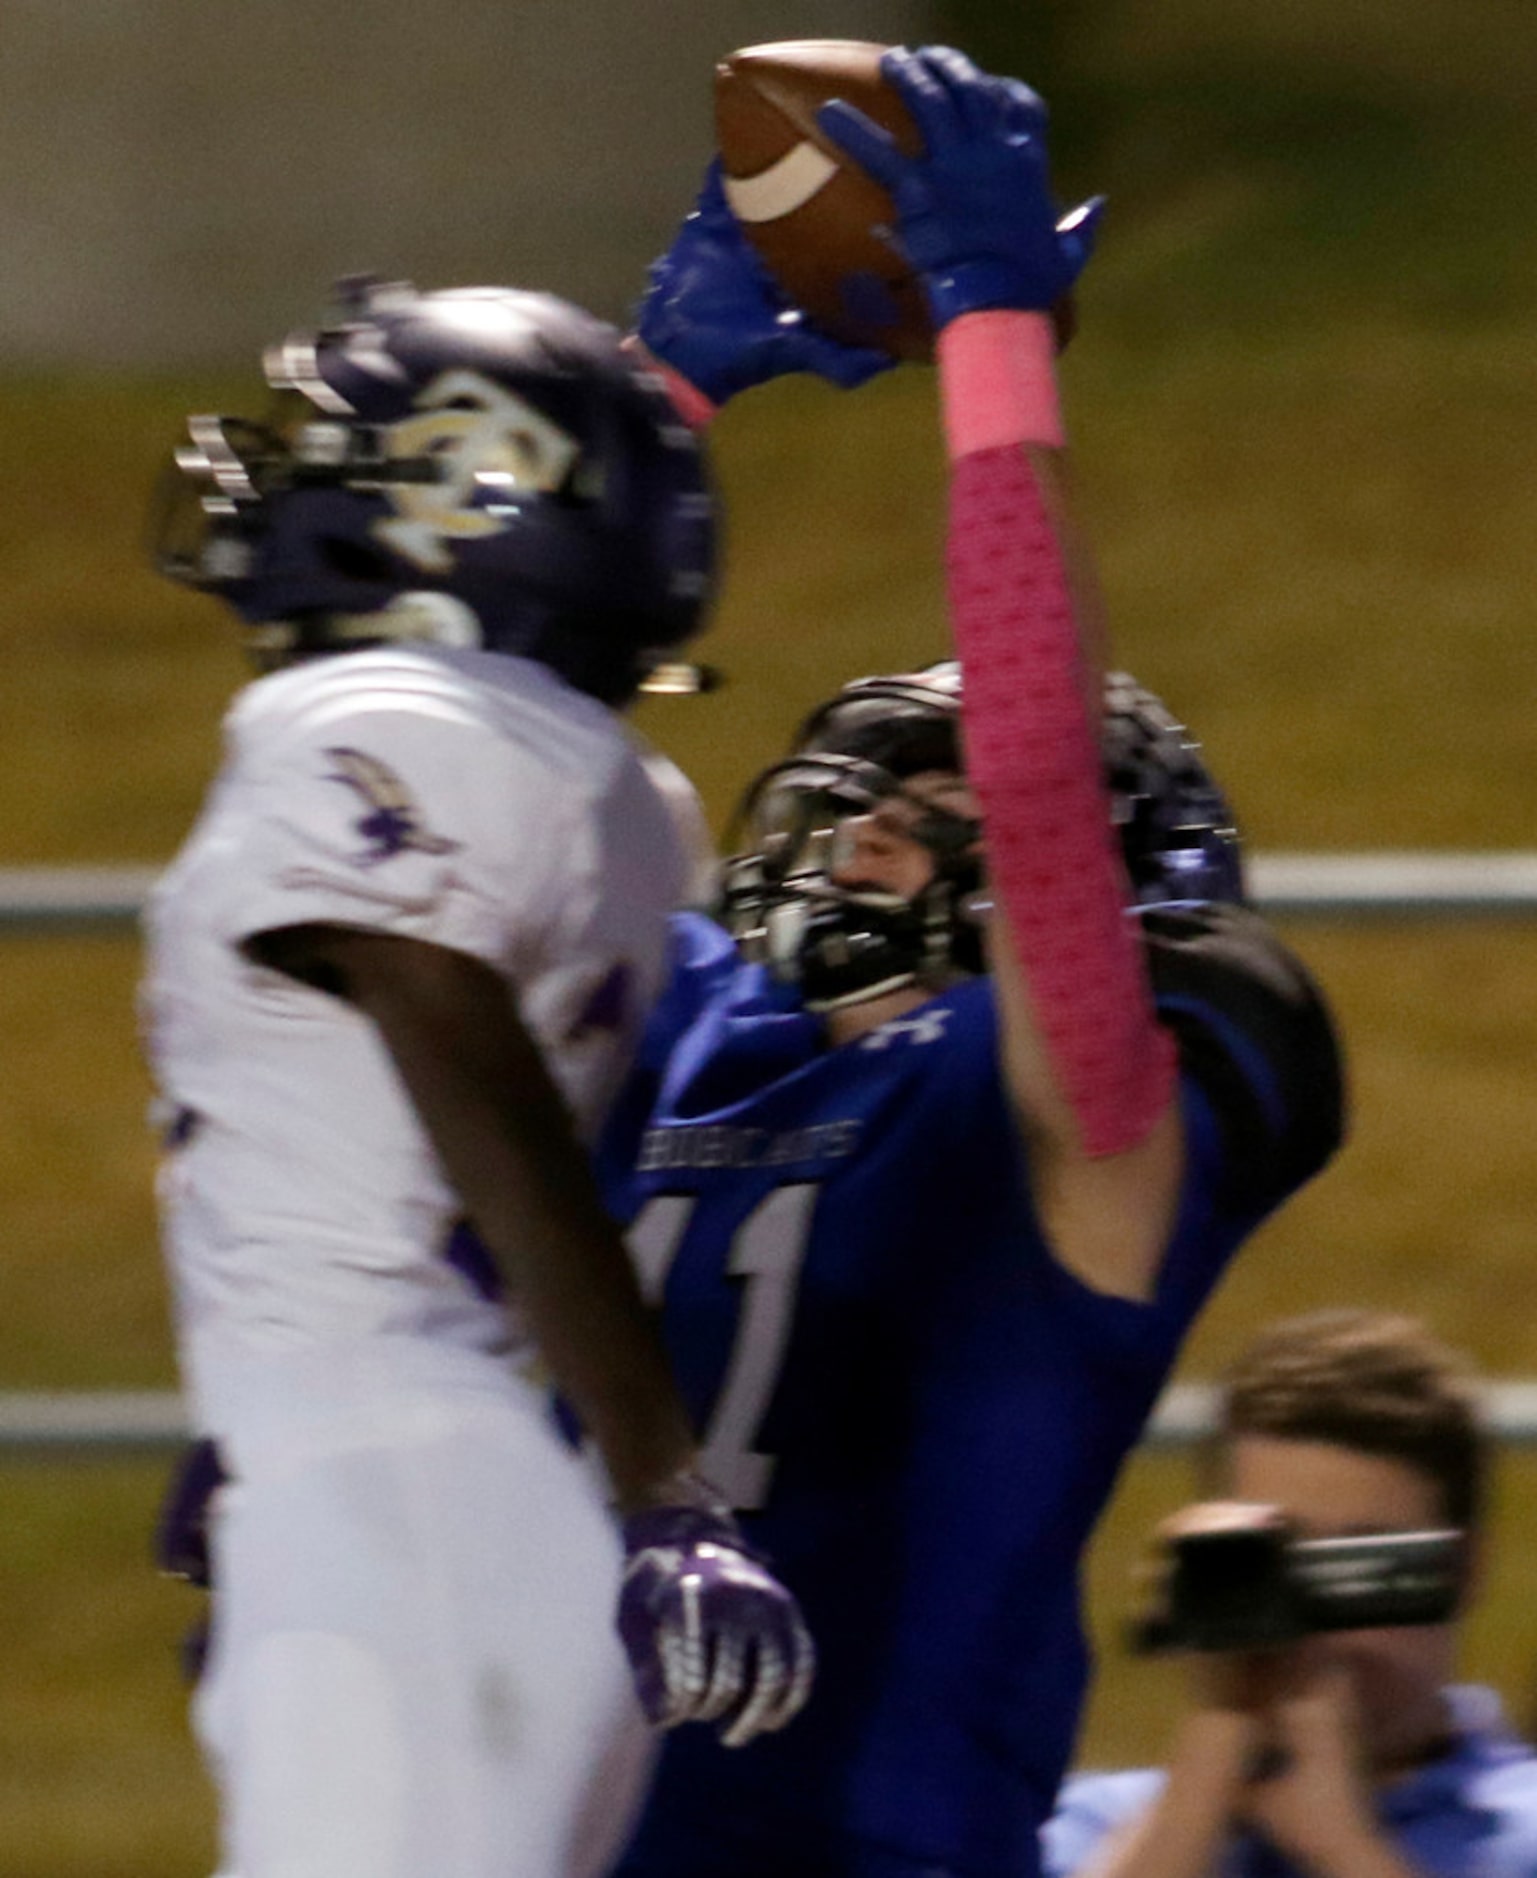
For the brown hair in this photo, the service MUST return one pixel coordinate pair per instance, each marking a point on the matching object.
(1372, 1381)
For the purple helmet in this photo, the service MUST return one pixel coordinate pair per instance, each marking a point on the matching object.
(479, 465)
(843, 944)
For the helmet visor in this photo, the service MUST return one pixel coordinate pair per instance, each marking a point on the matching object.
(800, 814)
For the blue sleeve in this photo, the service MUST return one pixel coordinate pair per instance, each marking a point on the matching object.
(1261, 1086)
(1089, 1808)
(701, 957)
(1262, 1095)
(1256, 1039)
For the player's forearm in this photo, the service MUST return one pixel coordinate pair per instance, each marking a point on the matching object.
(1052, 474)
(1032, 716)
(506, 1143)
(526, 1185)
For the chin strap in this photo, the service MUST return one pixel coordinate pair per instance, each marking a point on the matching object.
(1032, 752)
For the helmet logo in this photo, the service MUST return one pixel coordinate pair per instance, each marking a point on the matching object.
(492, 449)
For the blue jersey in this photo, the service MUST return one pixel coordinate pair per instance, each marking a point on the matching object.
(919, 1411)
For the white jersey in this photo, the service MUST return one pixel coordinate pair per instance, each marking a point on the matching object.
(468, 799)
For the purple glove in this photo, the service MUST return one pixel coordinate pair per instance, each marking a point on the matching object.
(975, 214)
(713, 313)
(711, 1634)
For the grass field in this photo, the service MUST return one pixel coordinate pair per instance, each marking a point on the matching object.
(1304, 406)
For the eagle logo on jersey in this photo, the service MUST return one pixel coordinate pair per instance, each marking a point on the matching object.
(492, 450)
(392, 824)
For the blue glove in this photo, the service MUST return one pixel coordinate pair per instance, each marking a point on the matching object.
(975, 214)
(711, 1634)
(713, 313)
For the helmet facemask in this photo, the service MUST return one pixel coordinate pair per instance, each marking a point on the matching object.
(225, 510)
(841, 940)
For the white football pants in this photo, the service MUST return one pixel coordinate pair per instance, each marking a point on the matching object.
(414, 1670)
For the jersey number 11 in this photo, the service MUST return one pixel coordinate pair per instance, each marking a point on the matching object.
(767, 1252)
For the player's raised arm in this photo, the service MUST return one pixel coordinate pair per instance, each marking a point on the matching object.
(1091, 1072)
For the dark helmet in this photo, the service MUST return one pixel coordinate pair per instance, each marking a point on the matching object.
(478, 466)
(862, 747)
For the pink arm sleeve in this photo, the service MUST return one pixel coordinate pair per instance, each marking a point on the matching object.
(1031, 752)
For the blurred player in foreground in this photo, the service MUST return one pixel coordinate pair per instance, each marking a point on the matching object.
(1349, 1754)
(395, 976)
(941, 1155)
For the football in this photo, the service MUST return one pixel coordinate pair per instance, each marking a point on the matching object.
(818, 221)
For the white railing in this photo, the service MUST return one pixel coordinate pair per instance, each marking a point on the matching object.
(1400, 886)
(1385, 884)
(50, 898)
(94, 1422)
(99, 1424)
